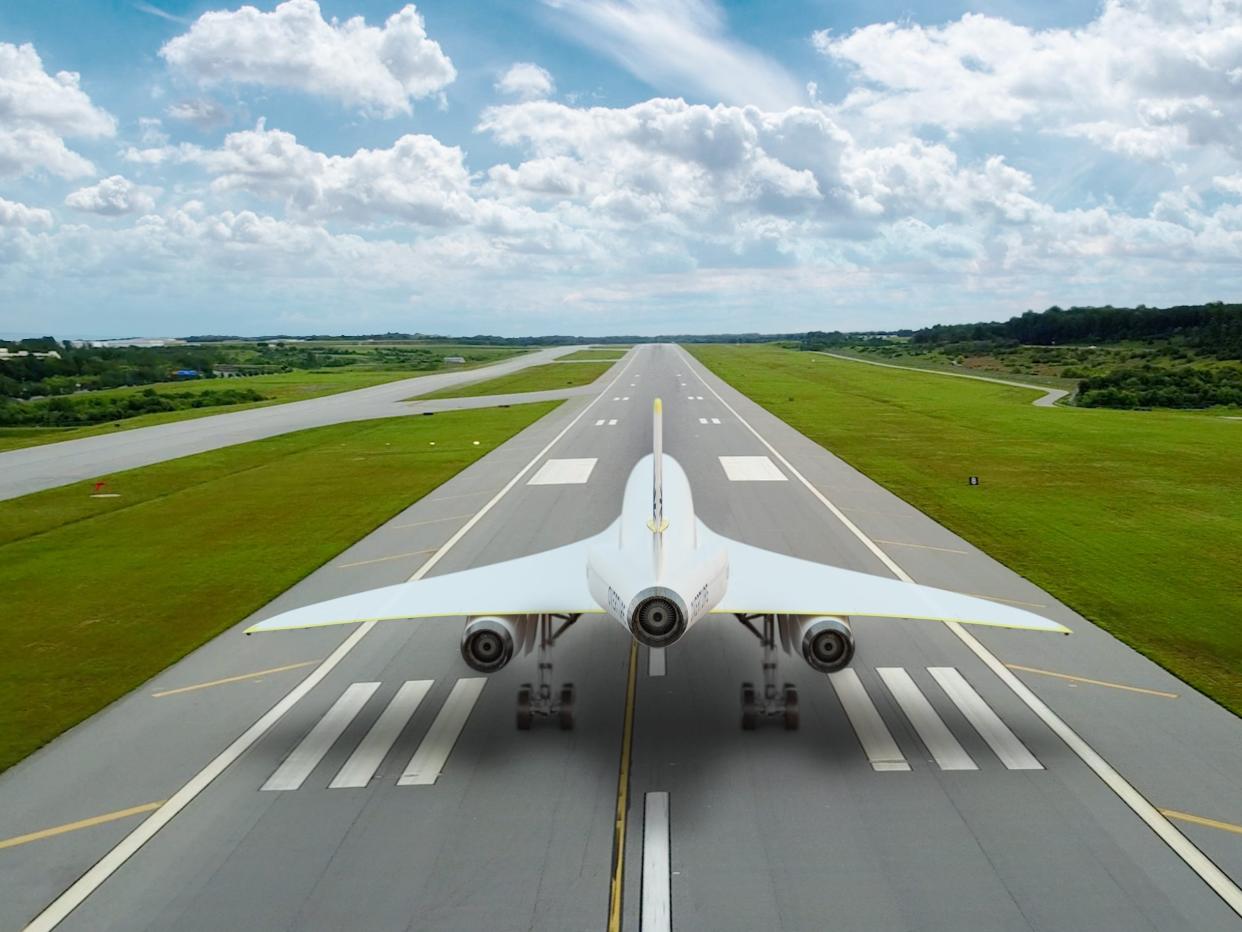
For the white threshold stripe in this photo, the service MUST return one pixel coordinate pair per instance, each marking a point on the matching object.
(1220, 882)
(655, 661)
(367, 757)
(432, 754)
(89, 882)
(657, 877)
(311, 749)
(935, 734)
(599, 423)
(1011, 751)
(612, 422)
(877, 741)
(702, 420)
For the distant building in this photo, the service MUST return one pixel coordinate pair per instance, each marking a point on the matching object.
(455, 360)
(13, 354)
(136, 341)
(186, 373)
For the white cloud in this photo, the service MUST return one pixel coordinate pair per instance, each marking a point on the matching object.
(38, 110)
(376, 69)
(203, 113)
(1146, 80)
(526, 81)
(678, 46)
(13, 214)
(112, 197)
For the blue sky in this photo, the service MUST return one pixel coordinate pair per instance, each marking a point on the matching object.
(602, 166)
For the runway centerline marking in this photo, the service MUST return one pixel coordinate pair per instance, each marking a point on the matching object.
(428, 762)
(935, 734)
(1193, 819)
(319, 740)
(564, 472)
(903, 543)
(656, 882)
(1087, 679)
(80, 824)
(241, 677)
(395, 556)
(656, 661)
(89, 882)
(370, 753)
(1219, 882)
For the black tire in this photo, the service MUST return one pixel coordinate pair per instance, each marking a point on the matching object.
(791, 708)
(750, 714)
(566, 715)
(524, 715)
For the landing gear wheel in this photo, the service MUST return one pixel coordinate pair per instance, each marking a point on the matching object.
(566, 714)
(524, 715)
(750, 713)
(791, 707)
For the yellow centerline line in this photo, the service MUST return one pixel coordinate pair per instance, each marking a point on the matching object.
(623, 794)
(1200, 820)
(903, 543)
(1085, 679)
(395, 556)
(83, 823)
(431, 521)
(233, 679)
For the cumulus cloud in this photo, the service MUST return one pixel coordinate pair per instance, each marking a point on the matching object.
(678, 46)
(527, 81)
(112, 197)
(13, 214)
(377, 69)
(1146, 80)
(203, 113)
(38, 110)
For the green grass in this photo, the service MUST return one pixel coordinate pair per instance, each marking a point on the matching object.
(281, 387)
(593, 354)
(939, 363)
(101, 594)
(1133, 518)
(535, 379)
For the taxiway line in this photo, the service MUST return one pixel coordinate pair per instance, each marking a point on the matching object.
(241, 677)
(1085, 679)
(81, 823)
(395, 556)
(105, 867)
(905, 543)
(1207, 870)
(1199, 820)
(623, 792)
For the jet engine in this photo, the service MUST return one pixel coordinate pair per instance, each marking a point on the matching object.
(490, 641)
(825, 641)
(658, 618)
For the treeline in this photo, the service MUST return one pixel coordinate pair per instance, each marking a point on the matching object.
(492, 340)
(1154, 387)
(1214, 329)
(82, 410)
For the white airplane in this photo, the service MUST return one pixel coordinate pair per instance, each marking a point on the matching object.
(658, 570)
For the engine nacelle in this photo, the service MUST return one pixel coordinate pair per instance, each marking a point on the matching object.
(658, 617)
(490, 641)
(826, 642)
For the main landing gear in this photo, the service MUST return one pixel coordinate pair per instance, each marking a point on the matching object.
(537, 701)
(774, 702)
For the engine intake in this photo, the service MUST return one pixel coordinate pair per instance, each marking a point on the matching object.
(488, 642)
(826, 642)
(658, 620)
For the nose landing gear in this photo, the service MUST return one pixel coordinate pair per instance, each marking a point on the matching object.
(774, 702)
(537, 700)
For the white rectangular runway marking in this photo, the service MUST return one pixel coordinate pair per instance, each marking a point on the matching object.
(315, 745)
(751, 469)
(425, 766)
(1011, 751)
(931, 728)
(563, 472)
(657, 878)
(873, 734)
(612, 422)
(715, 420)
(599, 423)
(702, 420)
(655, 662)
(367, 757)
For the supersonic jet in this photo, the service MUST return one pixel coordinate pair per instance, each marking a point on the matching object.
(658, 570)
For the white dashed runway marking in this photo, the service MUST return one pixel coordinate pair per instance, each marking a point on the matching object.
(564, 472)
(751, 469)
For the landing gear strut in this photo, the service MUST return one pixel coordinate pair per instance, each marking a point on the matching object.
(775, 702)
(537, 701)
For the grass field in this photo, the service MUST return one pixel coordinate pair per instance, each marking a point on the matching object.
(1133, 518)
(101, 594)
(298, 385)
(593, 354)
(543, 378)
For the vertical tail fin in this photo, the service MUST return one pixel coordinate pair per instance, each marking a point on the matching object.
(657, 522)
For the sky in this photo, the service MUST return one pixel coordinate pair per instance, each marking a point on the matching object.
(173, 167)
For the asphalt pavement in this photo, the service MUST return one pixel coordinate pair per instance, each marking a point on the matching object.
(364, 778)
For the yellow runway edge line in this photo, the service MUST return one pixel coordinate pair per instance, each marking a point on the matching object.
(83, 823)
(623, 793)
(1084, 679)
(1200, 820)
(233, 679)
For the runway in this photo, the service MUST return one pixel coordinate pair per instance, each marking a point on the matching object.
(365, 778)
(32, 469)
